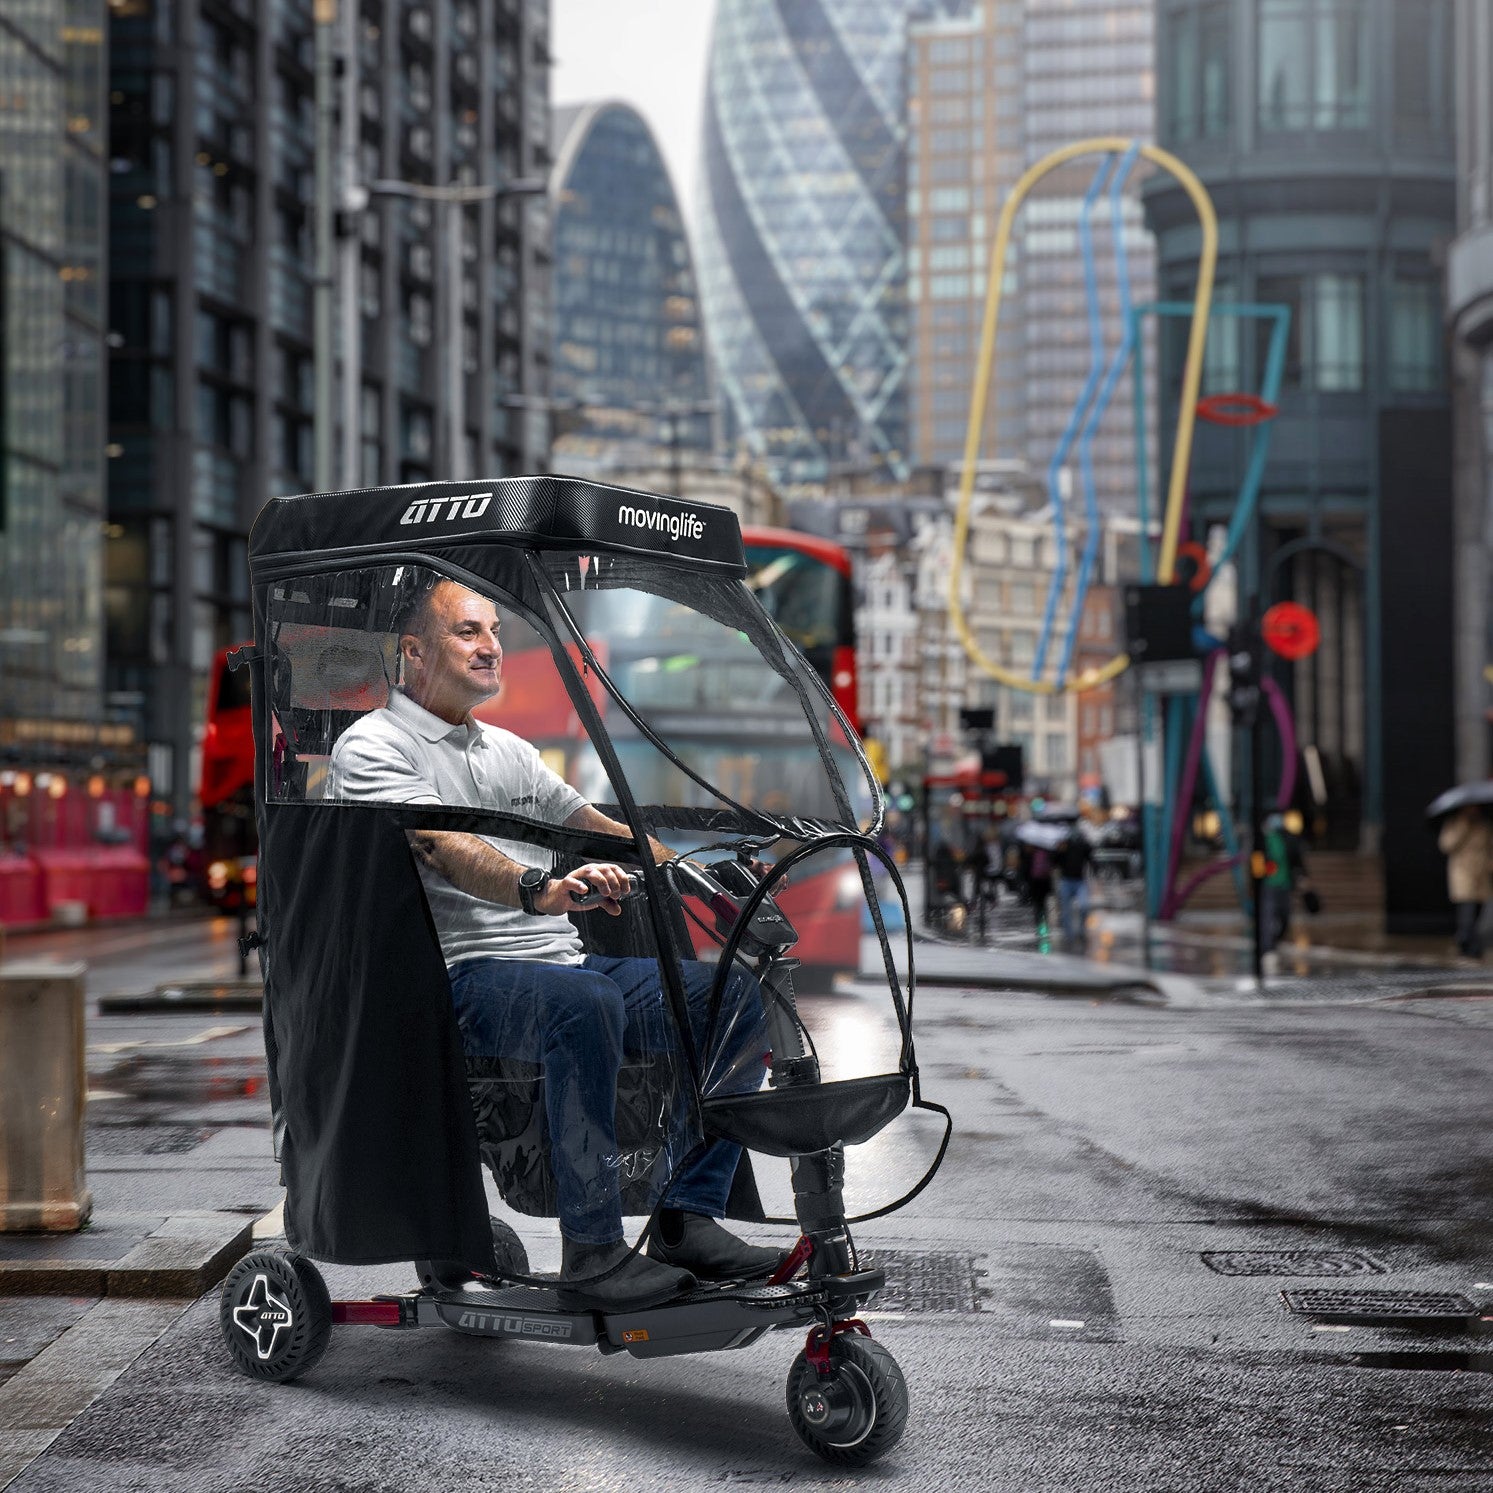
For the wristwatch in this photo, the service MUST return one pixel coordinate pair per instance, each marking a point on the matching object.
(530, 885)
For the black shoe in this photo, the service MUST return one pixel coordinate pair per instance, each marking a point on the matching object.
(700, 1244)
(640, 1282)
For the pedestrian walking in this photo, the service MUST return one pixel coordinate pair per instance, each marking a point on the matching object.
(1036, 876)
(1467, 843)
(1073, 861)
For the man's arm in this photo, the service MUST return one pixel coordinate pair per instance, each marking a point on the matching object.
(473, 866)
(589, 817)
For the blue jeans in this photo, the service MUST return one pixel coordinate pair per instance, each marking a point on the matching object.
(577, 1021)
(1073, 908)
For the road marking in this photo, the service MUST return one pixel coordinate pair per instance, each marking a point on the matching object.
(210, 1034)
(272, 1225)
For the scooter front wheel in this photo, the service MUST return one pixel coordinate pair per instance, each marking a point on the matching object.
(855, 1414)
(275, 1315)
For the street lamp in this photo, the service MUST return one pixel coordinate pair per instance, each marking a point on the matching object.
(453, 198)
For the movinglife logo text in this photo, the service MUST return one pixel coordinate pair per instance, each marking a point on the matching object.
(432, 510)
(676, 525)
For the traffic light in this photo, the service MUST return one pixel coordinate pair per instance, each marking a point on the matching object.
(1244, 672)
(1009, 759)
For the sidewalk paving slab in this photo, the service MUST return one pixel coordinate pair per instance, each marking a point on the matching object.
(178, 1257)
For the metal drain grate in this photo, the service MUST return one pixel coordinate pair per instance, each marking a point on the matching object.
(1291, 1262)
(920, 1281)
(1423, 1308)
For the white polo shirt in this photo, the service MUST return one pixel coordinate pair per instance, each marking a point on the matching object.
(404, 754)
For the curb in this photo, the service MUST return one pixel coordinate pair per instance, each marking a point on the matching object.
(182, 1258)
(188, 995)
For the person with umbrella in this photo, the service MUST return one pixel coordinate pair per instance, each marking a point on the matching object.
(1466, 841)
(1039, 844)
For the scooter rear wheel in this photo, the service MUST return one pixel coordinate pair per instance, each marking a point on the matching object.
(275, 1315)
(507, 1248)
(858, 1413)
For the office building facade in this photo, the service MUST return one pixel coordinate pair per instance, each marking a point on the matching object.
(441, 324)
(1470, 315)
(992, 90)
(1323, 132)
(629, 373)
(53, 293)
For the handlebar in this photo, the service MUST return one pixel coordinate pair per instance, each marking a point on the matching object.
(595, 899)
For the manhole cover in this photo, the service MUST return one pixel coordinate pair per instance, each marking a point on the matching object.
(1387, 1307)
(924, 1280)
(1291, 1262)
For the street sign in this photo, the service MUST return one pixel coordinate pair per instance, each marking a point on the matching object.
(1173, 676)
(1290, 630)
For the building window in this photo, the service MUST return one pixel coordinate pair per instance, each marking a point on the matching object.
(1222, 371)
(1416, 354)
(1336, 332)
(1313, 65)
(1199, 82)
(1324, 341)
(1423, 69)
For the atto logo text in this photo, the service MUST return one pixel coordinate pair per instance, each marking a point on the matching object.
(446, 510)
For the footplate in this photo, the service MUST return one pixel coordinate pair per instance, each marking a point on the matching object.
(531, 1312)
(710, 1319)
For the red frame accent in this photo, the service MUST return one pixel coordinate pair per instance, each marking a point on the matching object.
(1236, 409)
(368, 1313)
(790, 1267)
(816, 1349)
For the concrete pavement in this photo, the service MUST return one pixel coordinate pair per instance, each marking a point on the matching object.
(1104, 1146)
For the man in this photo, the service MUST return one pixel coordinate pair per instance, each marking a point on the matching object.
(520, 983)
(1073, 889)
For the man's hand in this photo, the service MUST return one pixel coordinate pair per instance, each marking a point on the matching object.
(611, 881)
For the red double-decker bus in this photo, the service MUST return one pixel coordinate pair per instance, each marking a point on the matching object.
(225, 790)
(805, 585)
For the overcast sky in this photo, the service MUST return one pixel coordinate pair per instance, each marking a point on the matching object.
(650, 53)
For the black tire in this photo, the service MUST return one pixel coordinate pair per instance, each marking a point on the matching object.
(263, 1286)
(870, 1372)
(507, 1248)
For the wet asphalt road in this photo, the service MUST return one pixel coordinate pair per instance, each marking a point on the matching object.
(1102, 1147)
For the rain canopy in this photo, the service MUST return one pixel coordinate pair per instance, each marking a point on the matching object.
(645, 707)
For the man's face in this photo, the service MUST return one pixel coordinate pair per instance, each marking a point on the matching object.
(454, 662)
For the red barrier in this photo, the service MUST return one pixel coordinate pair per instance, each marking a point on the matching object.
(21, 899)
(111, 881)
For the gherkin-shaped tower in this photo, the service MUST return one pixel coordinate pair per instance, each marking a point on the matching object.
(801, 258)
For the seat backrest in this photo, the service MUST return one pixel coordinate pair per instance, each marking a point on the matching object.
(325, 678)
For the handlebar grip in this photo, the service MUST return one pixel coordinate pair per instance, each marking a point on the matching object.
(580, 900)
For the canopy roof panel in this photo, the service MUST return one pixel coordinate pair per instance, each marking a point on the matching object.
(547, 512)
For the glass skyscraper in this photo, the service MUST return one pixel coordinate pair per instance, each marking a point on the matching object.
(628, 369)
(53, 129)
(212, 386)
(801, 214)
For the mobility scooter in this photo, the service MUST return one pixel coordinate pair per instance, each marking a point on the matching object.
(640, 666)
